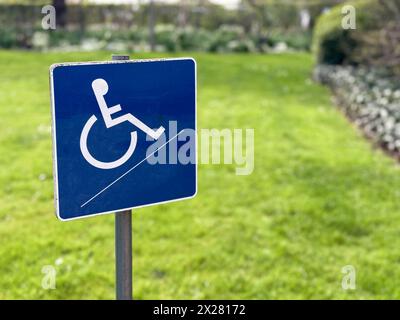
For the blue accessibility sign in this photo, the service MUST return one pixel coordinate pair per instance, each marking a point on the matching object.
(124, 134)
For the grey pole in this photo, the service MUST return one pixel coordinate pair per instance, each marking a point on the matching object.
(123, 254)
(123, 244)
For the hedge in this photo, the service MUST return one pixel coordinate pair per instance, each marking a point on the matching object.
(334, 45)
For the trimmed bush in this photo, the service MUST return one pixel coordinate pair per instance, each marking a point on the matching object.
(334, 45)
(370, 97)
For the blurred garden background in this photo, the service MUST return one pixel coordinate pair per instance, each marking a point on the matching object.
(323, 99)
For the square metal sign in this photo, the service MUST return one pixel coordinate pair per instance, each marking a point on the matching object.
(124, 134)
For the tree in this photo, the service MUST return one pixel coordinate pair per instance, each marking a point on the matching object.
(152, 23)
(61, 12)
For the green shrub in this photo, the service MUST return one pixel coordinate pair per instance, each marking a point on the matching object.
(166, 37)
(190, 39)
(8, 38)
(57, 37)
(223, 36)
(298, 40)
(334, 45)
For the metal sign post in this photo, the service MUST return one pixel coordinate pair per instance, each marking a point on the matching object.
(123, 245)
(123, 255)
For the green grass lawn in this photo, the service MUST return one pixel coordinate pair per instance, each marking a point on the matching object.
(320, 197)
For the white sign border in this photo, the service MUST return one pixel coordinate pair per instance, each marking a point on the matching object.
(54, 137)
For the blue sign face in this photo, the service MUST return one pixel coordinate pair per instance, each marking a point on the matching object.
(123, 134)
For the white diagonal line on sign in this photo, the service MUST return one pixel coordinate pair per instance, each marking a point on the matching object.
(127, 172)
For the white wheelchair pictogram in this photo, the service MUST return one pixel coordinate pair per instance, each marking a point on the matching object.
(100, 89)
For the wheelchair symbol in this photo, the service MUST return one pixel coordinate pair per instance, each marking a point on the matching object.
(100, 89)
